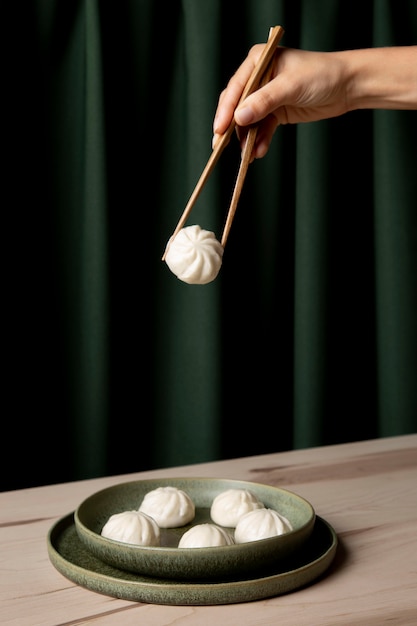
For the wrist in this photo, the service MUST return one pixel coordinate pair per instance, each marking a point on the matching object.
(380, 78)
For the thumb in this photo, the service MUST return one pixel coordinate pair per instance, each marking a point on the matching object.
(257, 106)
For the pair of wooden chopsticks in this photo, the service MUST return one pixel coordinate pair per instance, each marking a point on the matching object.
(260, 75)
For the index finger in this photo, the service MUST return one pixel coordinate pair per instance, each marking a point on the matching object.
(245, 80)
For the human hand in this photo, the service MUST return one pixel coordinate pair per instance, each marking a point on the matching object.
(305, 87)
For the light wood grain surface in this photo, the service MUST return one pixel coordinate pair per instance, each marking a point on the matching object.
(366, 490)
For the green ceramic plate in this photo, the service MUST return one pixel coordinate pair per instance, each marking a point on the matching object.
(70, 557)
(169, 561)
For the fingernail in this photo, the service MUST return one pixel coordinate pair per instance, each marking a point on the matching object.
(243, 116)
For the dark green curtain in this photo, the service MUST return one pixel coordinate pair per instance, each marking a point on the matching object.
(307, 337)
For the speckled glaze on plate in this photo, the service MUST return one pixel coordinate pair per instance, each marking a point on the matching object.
(71, 558)
(169, 561)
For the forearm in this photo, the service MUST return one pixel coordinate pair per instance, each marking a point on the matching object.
(381, 78)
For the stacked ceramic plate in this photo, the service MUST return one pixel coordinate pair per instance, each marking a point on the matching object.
(168, 574)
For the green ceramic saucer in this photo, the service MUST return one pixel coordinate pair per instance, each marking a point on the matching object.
(169, 561)
(71, 558)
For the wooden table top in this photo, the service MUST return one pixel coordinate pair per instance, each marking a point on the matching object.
(367, 491)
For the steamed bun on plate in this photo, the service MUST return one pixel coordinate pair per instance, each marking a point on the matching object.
(132, 527)
(229, 506)
(168, 506)
(261, 524)
(194, 255)
(206, 536)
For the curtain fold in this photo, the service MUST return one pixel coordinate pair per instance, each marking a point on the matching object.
(308, 335)
(396, 287)
(395, 186)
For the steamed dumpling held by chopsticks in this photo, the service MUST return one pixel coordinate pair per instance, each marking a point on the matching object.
(194, 255)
